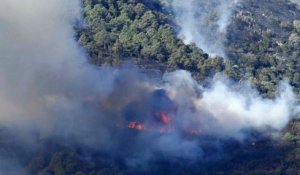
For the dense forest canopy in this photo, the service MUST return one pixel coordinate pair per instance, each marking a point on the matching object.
(262, 47)
(116, 30)
(263, 41)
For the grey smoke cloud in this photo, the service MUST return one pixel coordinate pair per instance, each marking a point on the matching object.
(224, 111)
(296, 2)
(48, 88)
(204, 22)
(41, 64)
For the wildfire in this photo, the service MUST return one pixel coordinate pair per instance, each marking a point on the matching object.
(165, 118)
(136, 125)
(165, 125)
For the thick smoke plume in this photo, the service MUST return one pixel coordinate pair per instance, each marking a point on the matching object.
(204, 22)
(48, 90)
(296, 2)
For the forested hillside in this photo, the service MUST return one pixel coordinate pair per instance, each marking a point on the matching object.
(262, 48)
(264, 43)
(140, 31)
(260, 51)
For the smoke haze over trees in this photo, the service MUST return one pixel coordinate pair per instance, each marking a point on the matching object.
(62, 115)
(204, 23)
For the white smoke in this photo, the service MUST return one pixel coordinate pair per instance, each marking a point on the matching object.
(41, 65)
(227, 112)
(204, 23)
(46, 83)
(296, 2)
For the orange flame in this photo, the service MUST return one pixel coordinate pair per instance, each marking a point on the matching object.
(165, 118)
(136, 125)
(166, 126)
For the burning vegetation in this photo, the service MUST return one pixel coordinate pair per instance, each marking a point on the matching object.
(163, 125)
(155, 113)
(52, 101)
